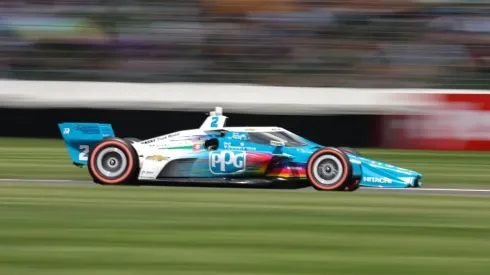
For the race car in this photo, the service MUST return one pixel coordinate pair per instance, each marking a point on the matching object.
(214, 153)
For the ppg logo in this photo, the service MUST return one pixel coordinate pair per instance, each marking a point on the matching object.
(226, 162)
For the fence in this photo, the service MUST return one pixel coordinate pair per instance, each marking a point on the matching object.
(399, 118)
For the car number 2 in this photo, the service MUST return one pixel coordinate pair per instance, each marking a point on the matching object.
(214, 123)
(83, 156)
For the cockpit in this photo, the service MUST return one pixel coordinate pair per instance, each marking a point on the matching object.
(276, 137)
(273, 138)
(211, 144)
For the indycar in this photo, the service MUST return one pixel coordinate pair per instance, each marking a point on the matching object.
(215, 153)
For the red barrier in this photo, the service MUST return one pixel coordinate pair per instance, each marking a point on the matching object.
(460, 122)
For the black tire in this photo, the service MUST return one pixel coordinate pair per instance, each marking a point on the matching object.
(132, 140)
(353, 186)
(113, 155)
(351, 151)
(322, 166)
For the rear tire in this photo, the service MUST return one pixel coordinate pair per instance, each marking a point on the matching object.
(132, 140)
(113, 161)
(329, 169)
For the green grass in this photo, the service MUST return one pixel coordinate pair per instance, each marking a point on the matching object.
(90, 229)
(37, 158)
(48, 159)
(62, 229)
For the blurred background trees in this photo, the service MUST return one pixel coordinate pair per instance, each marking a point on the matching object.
(323, 43)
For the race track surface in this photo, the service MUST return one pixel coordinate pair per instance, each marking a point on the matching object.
(422, 190)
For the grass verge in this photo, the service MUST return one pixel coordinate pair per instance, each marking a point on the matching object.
(48, 159)
(63, 229)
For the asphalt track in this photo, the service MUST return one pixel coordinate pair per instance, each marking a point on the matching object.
(422, 190)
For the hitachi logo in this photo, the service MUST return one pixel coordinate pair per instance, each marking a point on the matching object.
(377, 180)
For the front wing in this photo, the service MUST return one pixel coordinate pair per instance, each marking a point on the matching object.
(378, 174)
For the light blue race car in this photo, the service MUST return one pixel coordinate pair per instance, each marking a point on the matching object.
(218, 154)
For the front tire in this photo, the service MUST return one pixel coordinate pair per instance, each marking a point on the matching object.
(353, 186)
(329, 169)
(113, 161)
(350, 151)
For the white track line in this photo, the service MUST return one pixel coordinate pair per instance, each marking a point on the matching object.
(430, 189)
(365, 188)
(33, 180)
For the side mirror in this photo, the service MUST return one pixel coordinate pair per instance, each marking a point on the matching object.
(278, 143)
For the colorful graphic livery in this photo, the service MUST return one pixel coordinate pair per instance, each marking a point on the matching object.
(215, 153)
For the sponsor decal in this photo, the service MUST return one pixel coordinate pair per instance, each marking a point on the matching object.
(169, 136)
(377, 180)
(239, 136)
(182, 147)
(149, 141)
(66, 131)
(88, 129)
(157, 158)
(227, 162)
(197, 147)
(160, 138)
(147, 174)
(229, 146)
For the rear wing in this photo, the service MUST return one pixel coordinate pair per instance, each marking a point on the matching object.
(215, 121)
(80, 138)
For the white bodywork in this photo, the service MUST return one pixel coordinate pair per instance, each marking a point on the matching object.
(157, 152)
